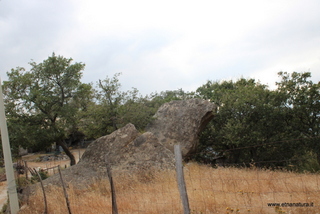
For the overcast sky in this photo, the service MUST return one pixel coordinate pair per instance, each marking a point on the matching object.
(165, 45)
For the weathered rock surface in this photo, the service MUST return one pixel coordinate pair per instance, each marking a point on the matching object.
(128, 150)
(181, 122)
(125, 150)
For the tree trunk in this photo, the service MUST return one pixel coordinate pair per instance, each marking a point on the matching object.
(67, 151)
(318, 157)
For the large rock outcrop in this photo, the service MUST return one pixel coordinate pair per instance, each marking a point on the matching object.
(128, 150)
(181, 122)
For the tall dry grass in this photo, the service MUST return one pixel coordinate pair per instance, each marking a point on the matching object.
(210, 190)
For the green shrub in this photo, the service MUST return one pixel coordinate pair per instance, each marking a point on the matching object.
(309, 163)
(22, 182)
(43, 174)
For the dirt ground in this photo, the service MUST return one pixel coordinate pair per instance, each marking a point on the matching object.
(3, 193)
(47, 164)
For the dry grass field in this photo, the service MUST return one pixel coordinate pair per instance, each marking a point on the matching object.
(210, 190)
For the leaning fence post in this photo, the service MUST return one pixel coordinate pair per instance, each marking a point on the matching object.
(180, 179)
(44, 193)
(113, 191)
(65, 191)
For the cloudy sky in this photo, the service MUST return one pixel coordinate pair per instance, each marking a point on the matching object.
(165, 45)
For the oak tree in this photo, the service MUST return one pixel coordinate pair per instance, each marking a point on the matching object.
(43, 102)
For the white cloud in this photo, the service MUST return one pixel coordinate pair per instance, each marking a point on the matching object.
(165, 45)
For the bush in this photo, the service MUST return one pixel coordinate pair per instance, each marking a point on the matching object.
(43, 174)
(309, 163)
(22, 182)
(4, 208)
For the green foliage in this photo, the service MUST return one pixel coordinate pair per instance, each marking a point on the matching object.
(42, 103)
(4, 208)
(136, 111)
(308, 163)
(102, 116)
(254, 125)
(114, 108)
(35, 178)
(22, 182)
(245, 117)
(302, 103)
(140, 110)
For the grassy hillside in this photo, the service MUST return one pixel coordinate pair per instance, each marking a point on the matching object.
(210, 190)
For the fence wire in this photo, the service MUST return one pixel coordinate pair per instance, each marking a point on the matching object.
(210, 190)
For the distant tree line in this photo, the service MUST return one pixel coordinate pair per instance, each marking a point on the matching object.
(253, 125)
(257, 126)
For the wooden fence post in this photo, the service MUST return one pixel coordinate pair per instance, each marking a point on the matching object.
(79, 156)
(44, 193)
(26, 169)
(65, 191)
(113, 191)
(180, 179)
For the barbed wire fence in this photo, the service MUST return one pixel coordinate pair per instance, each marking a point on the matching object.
(208, 190)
